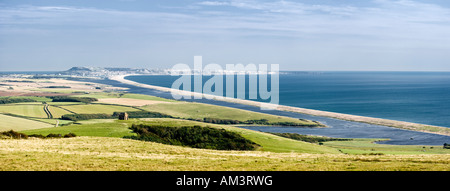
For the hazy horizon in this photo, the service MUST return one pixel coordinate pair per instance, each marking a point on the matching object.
(308, 35)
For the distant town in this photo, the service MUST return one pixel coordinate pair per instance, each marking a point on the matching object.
(103, 72)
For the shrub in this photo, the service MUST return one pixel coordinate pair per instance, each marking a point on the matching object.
(51, 135)
(308, 138)
(221, 121)
(70, 135)
(37, 136)
(142, 114)
(6, 100)
(73, 99)
(14, 135)
(57, 87)
(446, 146)
(77, 117)
(253, 121)
(196, 137)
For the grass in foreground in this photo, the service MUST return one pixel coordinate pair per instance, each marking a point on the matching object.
(367, 146)
(111, 154)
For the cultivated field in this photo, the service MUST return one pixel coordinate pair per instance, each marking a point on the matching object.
(24, 110)
(200, 111)
(97, 108)
(129, 101)
(18, 124)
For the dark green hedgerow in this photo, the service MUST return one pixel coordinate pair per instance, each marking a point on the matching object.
(309, 138)
(16, 135)
(73, 99)
(131, 114)
(196, 137)
(6, 100)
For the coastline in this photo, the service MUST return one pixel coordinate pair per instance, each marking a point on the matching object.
(348, 117)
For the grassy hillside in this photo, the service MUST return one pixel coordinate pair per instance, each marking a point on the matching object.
(97, 108)
(103, 153)
(200, 111)
(118, 128)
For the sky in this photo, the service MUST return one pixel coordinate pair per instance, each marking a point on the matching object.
(307, 35)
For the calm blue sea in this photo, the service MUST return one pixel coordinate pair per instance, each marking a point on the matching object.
(420, 97)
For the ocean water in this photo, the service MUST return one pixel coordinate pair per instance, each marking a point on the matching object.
(419, 97)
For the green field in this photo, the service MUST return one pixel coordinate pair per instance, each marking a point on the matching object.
(57, 112)
(113, 129)
(200, 111)
(366, 146)
(97, 108)
(146, 97)
(31, 110)
(18, 124)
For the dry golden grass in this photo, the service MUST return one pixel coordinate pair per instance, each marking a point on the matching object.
(111, 154)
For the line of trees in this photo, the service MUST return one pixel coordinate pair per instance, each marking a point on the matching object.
(73, 99)
(6, 100)
(16, 135)
(131, 114)
(309, 138)
(57, 87)
(254, 121)
(143, 114)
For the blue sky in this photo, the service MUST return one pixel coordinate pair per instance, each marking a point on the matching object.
(380, 35)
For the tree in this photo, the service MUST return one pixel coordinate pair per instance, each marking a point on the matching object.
(446, 146)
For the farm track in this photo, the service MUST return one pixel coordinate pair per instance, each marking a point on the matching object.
(47, 111)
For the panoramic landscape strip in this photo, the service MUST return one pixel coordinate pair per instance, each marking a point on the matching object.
(61, 124)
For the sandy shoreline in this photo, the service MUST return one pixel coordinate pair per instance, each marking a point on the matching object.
(348, 117)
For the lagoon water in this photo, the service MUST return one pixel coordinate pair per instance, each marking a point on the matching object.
(295, 95)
